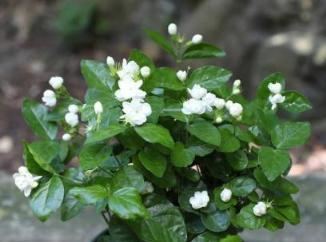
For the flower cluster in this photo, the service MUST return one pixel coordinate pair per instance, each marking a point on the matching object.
(135, 109)
(25, 181)
(276, 97)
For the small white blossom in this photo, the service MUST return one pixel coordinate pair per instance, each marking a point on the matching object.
(145, 71)
(71, 119)
(66, 137)
(49, 98)
(110, 61)
(73, 108)
(236, 110)
(129, 89)
(260, 209)
(182, 75)
(276, 99)
(228, 104)
(237, 83)
(197, 92)
(25, 181)
(197, 39)
(236, 87)
(219, 103)
(218, 119)
(98, 108)
(128, 70)
(193, 106)
(209, 101)
(56, 82)
(172, 29)
(136, 112)
(275, 88)
(226, 195)
(199, 200)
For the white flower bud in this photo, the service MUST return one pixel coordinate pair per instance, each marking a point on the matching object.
(236, 87)
(110, 61)
(145, 71)
(172, 29)
(237, 83)
(193, 106)
(73, 108)
(182, 75)
(218, 119)
(98, 108)
(49, 98)
(260, 209)
(226, 195)
(219, 103)
(197, 39)
(71, 119)
(66, 137)
(197, 92)
(56, 82)
(236, 110)
(199, 200)
(228, 104)
(276, 99)
(25, 181)
(275, 88)
(48, 93)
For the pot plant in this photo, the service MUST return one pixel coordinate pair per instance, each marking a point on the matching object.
(165, 155)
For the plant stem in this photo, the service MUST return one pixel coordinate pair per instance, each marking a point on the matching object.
(105, 218)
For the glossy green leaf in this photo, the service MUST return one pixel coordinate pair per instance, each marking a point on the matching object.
(242, 186)
(141, 59)
(161, 41)
(231, 238)
(106, 133)
(47, 198)
(247, 220)
(181, 156)
(230, 142)
(127, 177)
(295, 102)
(205, 131)
(209, 77)
(120, 231)
(206, 237)
(153, 161)
(94, 155)
(89, 195)
(153, 133)
(238, 160)
(202, 50)
(217, 221)
(157, 105)
(35, 115)
(288, 135)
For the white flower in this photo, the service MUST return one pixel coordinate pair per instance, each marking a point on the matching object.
(237, 83)
(260, 209)
(66, 137)
(276, 99)
(236, 87)
(129, 89)
(129, 69)
(98, 108)
(236, 110)
(172, 29)
(56, 82)
(228, 104)
(199, 200)
(71, 119)
(73, 108)
(25, 181)
(197, 92)
(219, 103)
(145, 71)
(226, 195)
(197, 39)
(182, 75)
(110, 61)
(218, 119)
(193, 106)
(136, 112)
(49, 98)
(275, 88)
(209, 101)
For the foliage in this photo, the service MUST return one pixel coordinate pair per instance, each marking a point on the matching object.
(143, 176)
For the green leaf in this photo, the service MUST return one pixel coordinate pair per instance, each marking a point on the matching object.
(221, 204)
(94, 155)
(153, 133)
(291, 213)
(157, 105)
(107, 133)
(202, 50)
(263, 92)
(295, 102)
(209, 77)
(97, 74)
(207, 237)
(231, 238)
(288, 135)
(161, 41)
(153, 161)
(273, 162)
(126, 203)
(174, 110)
(247, 220)
(30, 162)
(181, 156)
(48, 160)
(89, 195)
(35, 115)
(71, 207)
(242, 186)
(205, 131)
(238, 160)
(141, 59)
(127, 177)
(217, 221)
(230, 142)
(48, 198)
(120, 232)
(163, 77)
(165, 223)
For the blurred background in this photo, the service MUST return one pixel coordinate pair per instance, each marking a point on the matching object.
(39, 39)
